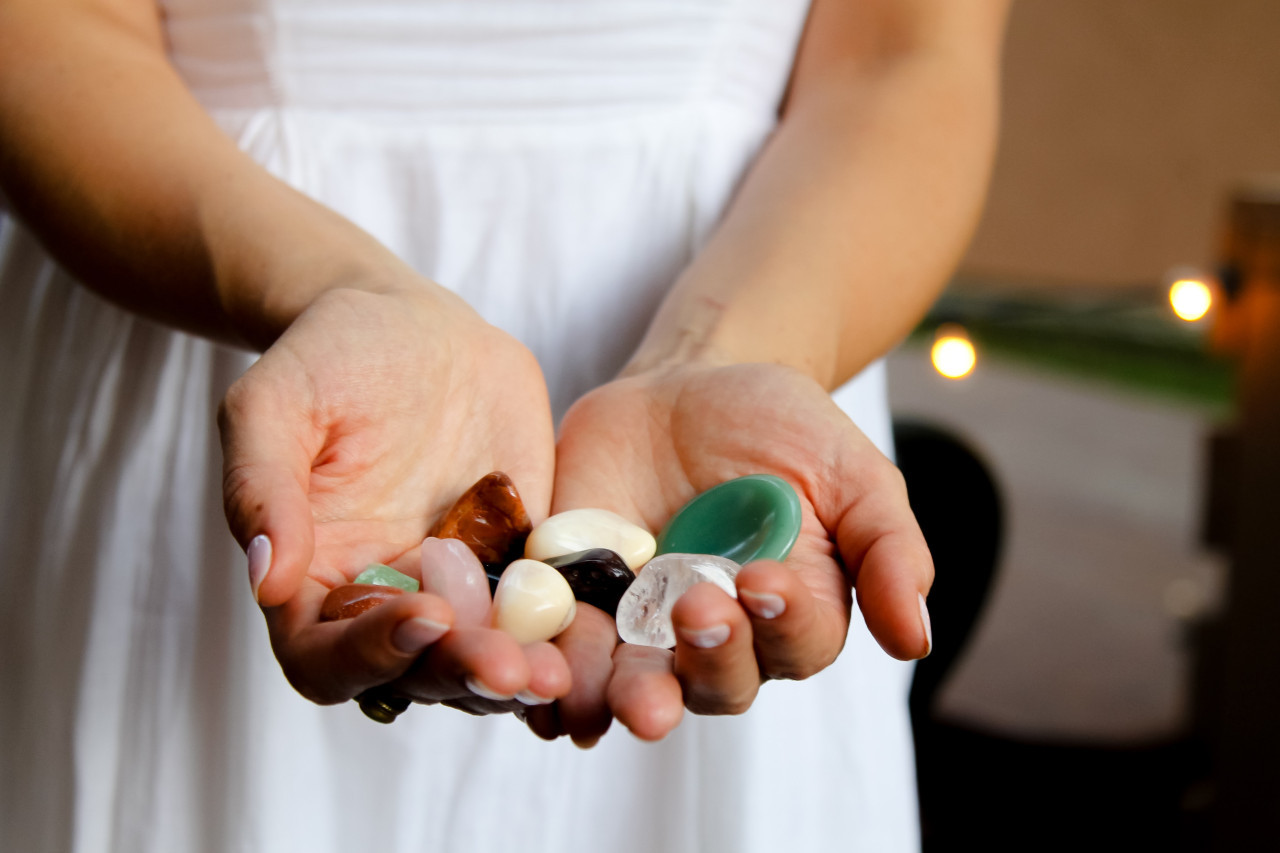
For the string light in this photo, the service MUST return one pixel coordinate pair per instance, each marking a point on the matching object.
(1191, 298)
(953, 353)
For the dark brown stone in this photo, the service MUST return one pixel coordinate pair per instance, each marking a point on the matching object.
(490, 518)
(597, 577)
(352, 599)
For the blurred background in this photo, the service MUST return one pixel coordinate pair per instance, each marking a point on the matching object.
(1100, 484)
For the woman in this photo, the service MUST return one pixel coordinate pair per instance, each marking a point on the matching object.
(607, 189)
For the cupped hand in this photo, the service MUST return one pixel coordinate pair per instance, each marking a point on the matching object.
(356, 429)
(644, 445)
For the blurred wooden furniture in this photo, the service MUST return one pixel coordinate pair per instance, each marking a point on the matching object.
(1246, 520)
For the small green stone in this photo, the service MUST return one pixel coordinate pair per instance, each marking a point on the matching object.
(380, 575)
(751, 518)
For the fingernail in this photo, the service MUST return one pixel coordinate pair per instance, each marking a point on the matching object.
(586, 742)
(414, 635)
(706, 638)
(928, 629)
(528, 697)
(484, 692)
(766, 605)
(259, 554)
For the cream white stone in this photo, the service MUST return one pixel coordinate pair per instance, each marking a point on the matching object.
(533, 602)
(580, 529)
(644, 614)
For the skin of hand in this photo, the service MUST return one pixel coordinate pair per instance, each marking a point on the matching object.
(885, 131)
(360, 426)
(841, 234)
(646, 444)
(380, 397)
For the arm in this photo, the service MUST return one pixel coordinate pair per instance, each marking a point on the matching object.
(840, 236)
(853, 217)
(340, 446)
(135, 190)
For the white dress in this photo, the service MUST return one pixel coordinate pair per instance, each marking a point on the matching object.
(555, 162)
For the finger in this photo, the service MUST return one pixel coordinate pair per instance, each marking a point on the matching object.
(267, 457)
(588, 645)
(468, 663)
(549, 678)
(715, 660)
(643, 693)
(889, 564)
(795, 634)
(543, 720)
(330, 662)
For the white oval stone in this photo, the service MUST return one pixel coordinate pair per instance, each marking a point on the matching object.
(580, 529)
(533, 602)
(644, 614)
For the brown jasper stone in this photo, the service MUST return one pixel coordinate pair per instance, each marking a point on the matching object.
(490, 518)
(352, 599)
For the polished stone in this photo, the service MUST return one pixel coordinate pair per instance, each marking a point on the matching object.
(644, 613)
(452, 571)
(382, 705)
(490, 518)
(583, 529)
(597, 576)
(376, 585)
(533, 602)
(382, 575)
(352, 599)
(751, 518)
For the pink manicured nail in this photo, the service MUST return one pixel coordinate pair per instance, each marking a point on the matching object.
(766, 605)
(484, 692)
(928, 628)
(414, 635)
(706, 638)
(259, 554)
(528, 697)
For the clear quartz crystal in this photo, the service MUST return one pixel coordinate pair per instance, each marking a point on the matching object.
(644, 614)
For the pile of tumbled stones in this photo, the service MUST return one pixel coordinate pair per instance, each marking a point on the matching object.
(495, 568)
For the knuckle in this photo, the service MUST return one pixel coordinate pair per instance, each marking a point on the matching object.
(235, 404)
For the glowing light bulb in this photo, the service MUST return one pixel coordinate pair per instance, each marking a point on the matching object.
(953, 354)
(1190, 298)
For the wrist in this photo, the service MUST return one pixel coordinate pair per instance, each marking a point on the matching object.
(273, 252)
(702, 333)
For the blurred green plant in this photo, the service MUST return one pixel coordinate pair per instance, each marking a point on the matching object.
(1127, 337)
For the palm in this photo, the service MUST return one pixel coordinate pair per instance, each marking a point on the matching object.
(644, 446)
(384, 413)
(645, 449)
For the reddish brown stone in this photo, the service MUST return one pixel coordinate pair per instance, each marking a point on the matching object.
(490, 518)
(352, 599)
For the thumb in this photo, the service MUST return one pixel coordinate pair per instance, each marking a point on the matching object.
(266, 468)
(887, 560)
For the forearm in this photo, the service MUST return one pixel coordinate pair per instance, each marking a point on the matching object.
(849, 223)
(130, 184)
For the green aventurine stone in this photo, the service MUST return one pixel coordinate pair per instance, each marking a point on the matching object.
(751, 518)
(380, 575)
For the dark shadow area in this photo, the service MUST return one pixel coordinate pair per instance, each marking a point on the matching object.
(985, 791)
(979, 788)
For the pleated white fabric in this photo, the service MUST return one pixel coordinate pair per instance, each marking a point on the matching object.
(555, 162)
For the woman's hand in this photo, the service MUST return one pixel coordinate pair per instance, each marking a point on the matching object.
(645, 445)
(363, 423)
